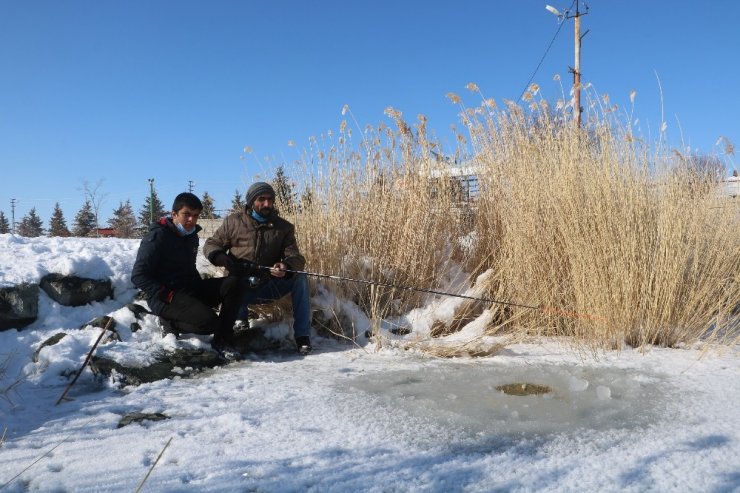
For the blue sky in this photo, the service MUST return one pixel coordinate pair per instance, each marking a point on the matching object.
(116, 92)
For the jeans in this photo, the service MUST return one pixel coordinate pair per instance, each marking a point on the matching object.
(276, 288)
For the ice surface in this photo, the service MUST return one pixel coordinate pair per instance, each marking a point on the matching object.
(466, 398)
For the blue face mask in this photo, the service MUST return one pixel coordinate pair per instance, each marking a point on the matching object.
(184, 231)
(258, 217)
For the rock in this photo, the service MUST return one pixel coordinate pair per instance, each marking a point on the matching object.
(138, 310)
(400, 331)
(139, 417)
(19, 305)
(101, 323)
(254, 340)
(181, 362)
(330, 325)
(135, 327)
(76, 291)
(49, 342)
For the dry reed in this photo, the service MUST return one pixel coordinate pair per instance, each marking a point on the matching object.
(616, 242)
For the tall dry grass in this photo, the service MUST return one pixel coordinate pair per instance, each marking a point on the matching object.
(616, 242)
(372, 214)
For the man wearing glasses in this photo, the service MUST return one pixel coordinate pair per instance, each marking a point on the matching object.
(165, 271)
(258, 246)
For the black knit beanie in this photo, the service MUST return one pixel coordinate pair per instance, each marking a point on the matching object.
(257, 189)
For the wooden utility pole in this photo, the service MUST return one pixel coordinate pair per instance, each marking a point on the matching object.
(577, 68)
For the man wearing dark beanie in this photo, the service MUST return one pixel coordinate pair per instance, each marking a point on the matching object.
(259, 246)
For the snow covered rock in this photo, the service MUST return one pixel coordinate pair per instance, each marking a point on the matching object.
(48, 342)
(76, 291)
(19, 305)
(181, 362)
(139, 417)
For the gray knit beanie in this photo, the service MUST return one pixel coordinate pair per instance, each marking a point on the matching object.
(257, 189)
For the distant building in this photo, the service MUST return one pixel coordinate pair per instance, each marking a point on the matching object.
(731, 186)
(106, 233)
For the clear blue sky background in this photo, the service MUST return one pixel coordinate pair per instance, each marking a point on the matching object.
(123, 91)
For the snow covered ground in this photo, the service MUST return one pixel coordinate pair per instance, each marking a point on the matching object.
(350, 418)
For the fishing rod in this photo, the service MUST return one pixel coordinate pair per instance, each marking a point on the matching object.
(398, 286)
(555, 311)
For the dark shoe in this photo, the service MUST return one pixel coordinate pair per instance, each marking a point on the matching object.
(225, 350)
(303, 344)
(168, 327)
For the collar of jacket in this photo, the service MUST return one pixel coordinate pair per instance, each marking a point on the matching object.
(166, 223)
(248, 217)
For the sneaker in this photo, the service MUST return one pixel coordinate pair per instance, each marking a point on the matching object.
(168, 327)
(303, 344)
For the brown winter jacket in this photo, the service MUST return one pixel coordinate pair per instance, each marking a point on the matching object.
(246, 239)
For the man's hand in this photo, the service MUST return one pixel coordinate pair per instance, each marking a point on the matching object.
(221, 259)
(278, 270)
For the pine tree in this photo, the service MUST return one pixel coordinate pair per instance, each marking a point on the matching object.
(209, 212)
(306, 200)
(237, 204)
(31, 225)
(4, 224)
(123, 220)
(57, 223)
(84, 223)
(144, 212)
(284, 194)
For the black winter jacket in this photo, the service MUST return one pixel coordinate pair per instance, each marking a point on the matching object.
(165, 261)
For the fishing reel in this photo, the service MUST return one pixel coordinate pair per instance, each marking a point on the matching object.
(253, 282)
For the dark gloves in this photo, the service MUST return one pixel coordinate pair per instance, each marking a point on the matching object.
(235, 267)
(248, 268)
(165, 294)
(222, 259)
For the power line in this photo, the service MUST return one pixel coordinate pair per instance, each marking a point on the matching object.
(560, 26)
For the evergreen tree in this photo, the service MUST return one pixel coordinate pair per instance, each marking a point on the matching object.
(4, 224)
(306, 200)
(284, 194)
(31, 225)
(123, 220)
(57, 223)
(144, 212)
(237, 204)
(84, 223)
(209, 212)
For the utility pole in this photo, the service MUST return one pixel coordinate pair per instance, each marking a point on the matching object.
(578, 37)
(190, 186)
(12, 216)
(577, 68)
(151, 200)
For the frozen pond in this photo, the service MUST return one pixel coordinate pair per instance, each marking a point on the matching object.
(465, 397)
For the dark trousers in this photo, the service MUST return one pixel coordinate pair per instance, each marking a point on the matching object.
(191, 309)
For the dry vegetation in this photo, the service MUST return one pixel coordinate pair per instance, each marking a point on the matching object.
(615, 241)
